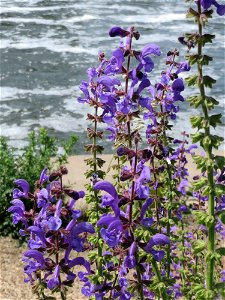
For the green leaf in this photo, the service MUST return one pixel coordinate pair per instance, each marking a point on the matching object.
(222, 216)
(220, 287)
(198, 246)
(195, 100)
(206, 191)
(215, 119)
(212, 141)
(199, 183)
(196, 121)
(208, 81)
(196, 137)
(193, 58)
(206, 38)
(191, 13)
(220, 161)
(211, 102)
(221, 251)
(192, 80)
(205, 59)
(200, 161)
(200, 216)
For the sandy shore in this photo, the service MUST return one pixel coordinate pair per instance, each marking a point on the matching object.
(77, 167)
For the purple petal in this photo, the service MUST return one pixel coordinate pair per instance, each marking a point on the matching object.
(158, 254)
(151, 49)
(178, 85)
(54, 223)
(83, 227)
(107, 187)
(158, 239)
(35, 254)
(24, 185)
(118, 31)
(80, 261)
(19, 203)
(106, 220)
(43, 178)
(144, 83)
(145, 206)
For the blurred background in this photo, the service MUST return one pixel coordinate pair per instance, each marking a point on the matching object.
(47, 46)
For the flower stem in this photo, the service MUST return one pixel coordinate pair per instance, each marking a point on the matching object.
(99, 265)
(159, 278)
(211, 230)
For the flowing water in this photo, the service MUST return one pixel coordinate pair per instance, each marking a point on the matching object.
(47, 46)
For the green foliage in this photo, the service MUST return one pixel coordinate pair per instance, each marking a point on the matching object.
(41, 151)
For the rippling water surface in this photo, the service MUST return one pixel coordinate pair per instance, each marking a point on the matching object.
(47, 46)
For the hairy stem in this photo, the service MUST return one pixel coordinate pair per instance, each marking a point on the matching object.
(211, 196)
(159, 278)
(95, 167)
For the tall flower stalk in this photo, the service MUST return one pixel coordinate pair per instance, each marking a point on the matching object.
(208, 141)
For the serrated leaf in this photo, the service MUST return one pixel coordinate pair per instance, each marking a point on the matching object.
(208, 81)
(206, 38)
(198, 246)
(199, 183)
(205, 59)
(220, 161)
(196, 137)
(200, 216)
(195, 100)
(211, 141)
(200, 162)
(192, 80)
(192, 59)
(211, 102)
(221, 251)
(222, 216)
(206, 191)
(196, 121)
(215, 119)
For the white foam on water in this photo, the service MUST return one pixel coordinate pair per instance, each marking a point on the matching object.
(30, 9)
(63, 123)
(9, 93)
(53, 45)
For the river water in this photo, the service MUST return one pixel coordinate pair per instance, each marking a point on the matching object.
(47, 46)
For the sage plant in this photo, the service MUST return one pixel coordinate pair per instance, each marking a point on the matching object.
(53, 232)
(210, 163)
(140, 238)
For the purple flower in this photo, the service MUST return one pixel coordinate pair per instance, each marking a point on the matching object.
(219, 7)
(24, 185)
(182, 186)
(157, 240)
(112, 234)
(145, 60)
(118, 31)
(130, 260)
(42, 198)
(109, 188)
(34, 262)
(54, 281)
(54, 223)
(18, 211)
(84, 89)
(43, 177)
(37, 239)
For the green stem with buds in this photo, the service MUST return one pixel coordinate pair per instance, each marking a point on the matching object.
(211, 196)
(99, 264)
(159, 278)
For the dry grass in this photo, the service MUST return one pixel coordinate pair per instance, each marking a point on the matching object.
(12, 286)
